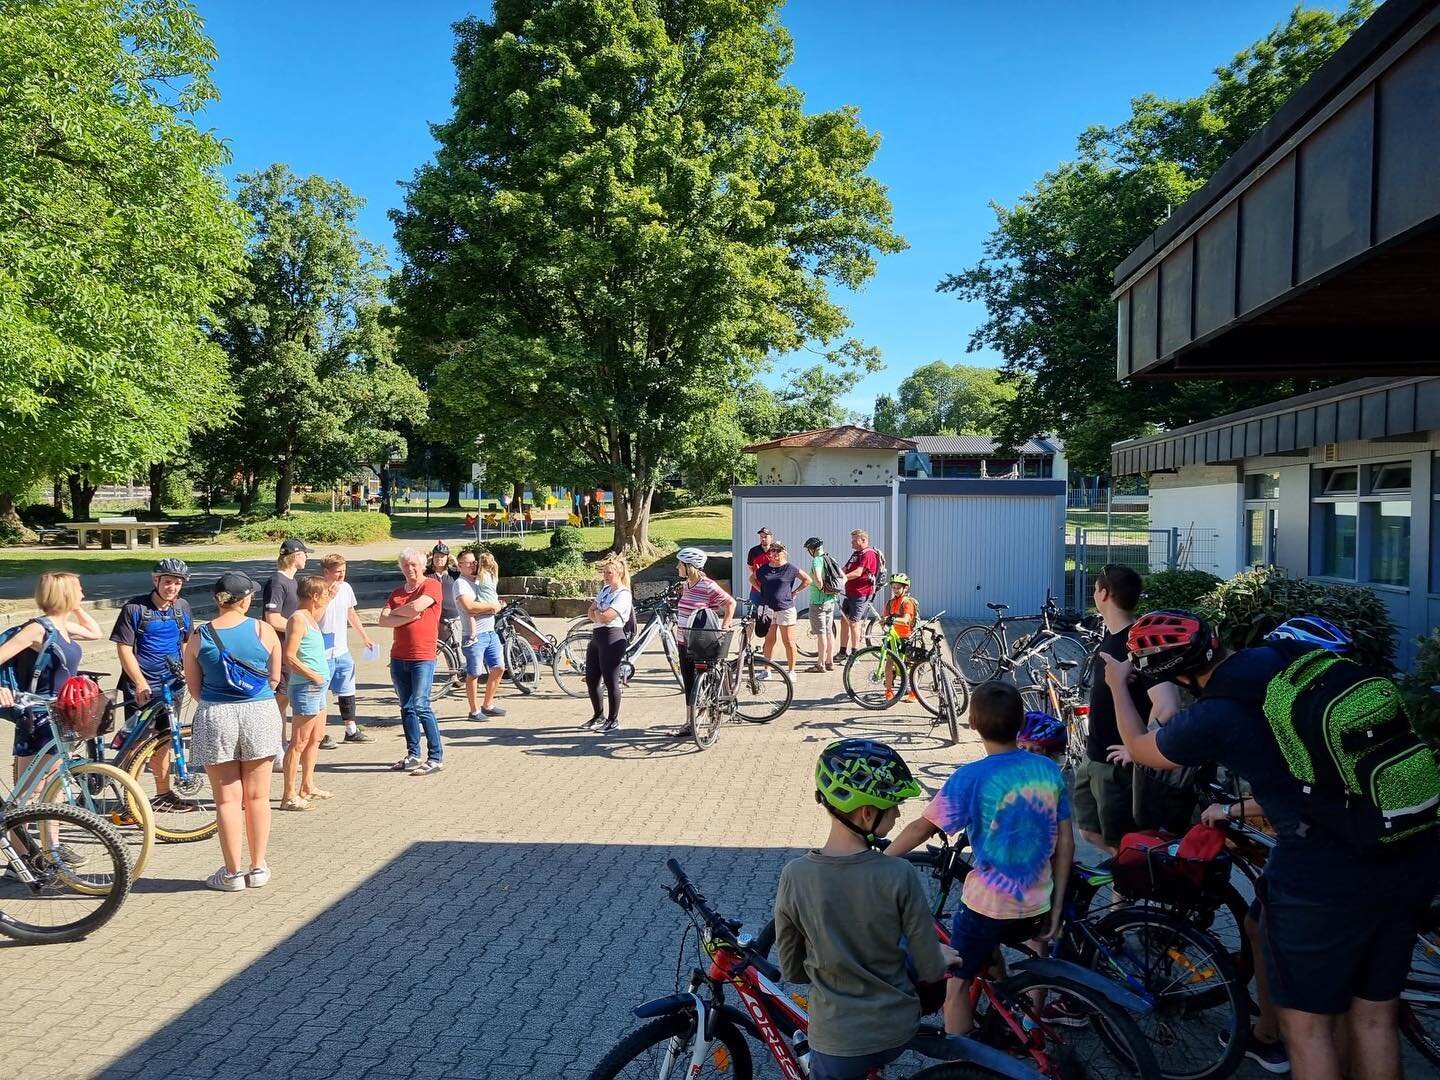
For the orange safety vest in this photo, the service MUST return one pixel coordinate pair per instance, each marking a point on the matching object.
(906, 607)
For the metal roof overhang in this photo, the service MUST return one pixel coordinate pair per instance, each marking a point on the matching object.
(1315, 250)
(1362, 409)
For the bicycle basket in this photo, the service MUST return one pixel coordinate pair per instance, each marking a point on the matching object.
(707, 643)
(1149, 866)
(82, 710)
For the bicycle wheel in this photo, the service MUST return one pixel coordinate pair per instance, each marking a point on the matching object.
(1065, 648)
(449, 671)
(1035, 699)
(521, 666)
(949, 711)
(977, 653)
(805, 643)
(1420, 999)
(79, 868)
(1070, 1029)
(709, 715)
(866, 682)
(762, 689)
(662, 1048)
(925, 676)
(191, 816)
(114, 797)
(1200, 1009)
(568, 667)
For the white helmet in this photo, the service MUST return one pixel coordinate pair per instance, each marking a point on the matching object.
(691, 556)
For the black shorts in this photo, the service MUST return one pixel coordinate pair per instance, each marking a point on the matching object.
(162, 719)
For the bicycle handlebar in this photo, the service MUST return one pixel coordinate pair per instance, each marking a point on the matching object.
(689, 898)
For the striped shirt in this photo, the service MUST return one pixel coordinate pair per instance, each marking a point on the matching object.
(703, 594)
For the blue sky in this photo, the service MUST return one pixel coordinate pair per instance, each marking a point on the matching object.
(974, 100)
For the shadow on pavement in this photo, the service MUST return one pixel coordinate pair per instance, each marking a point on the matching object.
(462, 959)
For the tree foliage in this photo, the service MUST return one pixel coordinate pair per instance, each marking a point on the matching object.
(312, 354)
(943, 399)
(628, 211)
(1046, 274)
(116, 237)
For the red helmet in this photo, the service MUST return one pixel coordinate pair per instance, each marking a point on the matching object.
(1164, 644)
(80, 705)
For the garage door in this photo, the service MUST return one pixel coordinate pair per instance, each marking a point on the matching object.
(795, 520)
(965, 550)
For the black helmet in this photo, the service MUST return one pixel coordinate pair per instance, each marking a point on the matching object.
(813, 543)
(172, 567)
(440, 548)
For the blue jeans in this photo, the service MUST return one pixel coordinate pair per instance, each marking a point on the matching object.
(412, 679)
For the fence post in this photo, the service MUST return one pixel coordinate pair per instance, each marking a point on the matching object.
(1172, 561)
(1080, 566)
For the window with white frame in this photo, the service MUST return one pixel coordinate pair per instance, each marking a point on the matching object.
(1262, 505)
(1361, 517)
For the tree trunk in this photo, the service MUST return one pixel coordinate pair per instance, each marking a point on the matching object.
(7, 508)
(285, 485)
(632, 519)
(517, 503)
(454, 483)
(157, 488)
(385, 507)
(249, 489)
(57, 493)
(81, 493)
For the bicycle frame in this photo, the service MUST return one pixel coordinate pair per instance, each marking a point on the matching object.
(127, 740)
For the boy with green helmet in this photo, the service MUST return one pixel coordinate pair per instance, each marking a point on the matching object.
(842, 912)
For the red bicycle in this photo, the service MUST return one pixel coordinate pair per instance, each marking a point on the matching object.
(698, 1033)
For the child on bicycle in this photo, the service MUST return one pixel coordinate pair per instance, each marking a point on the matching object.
(1013, 807)
(845, 915)
(903, 613)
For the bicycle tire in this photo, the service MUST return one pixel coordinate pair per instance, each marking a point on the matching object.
(125, 807)
(977, 652)
(568, 666)
(924, 685)
(658, 1033)
(708, 714)
(1419, 1015)
(1035, 699)
(1066, 648)
(1114, 1032)
(672, 657)
(951, 711)
(40, 863)
(805, 644)
(749, 705)
(522, 667)
(207, 824)
(449, 671)
(1196, 1028)
(865, 669)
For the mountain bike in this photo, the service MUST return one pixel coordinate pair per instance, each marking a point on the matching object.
(937, 686)
(698, 1032)
(745, 687)
(878, 676)
(985, 651)
(568, 665)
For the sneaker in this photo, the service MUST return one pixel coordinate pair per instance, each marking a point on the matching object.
(911, 696)
(327, 743)
(889, 695)
(1063, 1013)
(224, 881)
(607, 726)
(258, 877)
(427, 768)
(815, 669)
(405, 764)
(169, 803)
(493, 710)
(70, 857)
(841, 656)
(683, 732)
(358, 735)
(477, 715)
(762, 674)
(593, 724)
(1272, 1057)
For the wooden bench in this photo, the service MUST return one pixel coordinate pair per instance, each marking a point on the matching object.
(197, 529)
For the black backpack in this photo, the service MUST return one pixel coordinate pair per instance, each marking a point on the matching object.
(832, 578)
(882, 575)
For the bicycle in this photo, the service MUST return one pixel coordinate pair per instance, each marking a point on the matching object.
(878, 676)
(937, 686)
(697, 1028)
(1067, 703)
(731, 688)
(870, 625)
(522, 665)
(984, 651)
(568, 666)
(449, 677)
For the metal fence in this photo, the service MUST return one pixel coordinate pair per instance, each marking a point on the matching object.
(1080, 498)
(1146, 551)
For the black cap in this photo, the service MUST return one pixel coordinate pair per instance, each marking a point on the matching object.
(814, 542)
(440, 548)
(294, 544)
(763, 530)
(232, 585)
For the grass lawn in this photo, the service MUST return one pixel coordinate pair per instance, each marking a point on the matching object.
(29, 561)
(698, 525)
(1089, 519)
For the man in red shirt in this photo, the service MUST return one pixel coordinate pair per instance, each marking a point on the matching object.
(860, 570)
(413, 611)
(759, 556)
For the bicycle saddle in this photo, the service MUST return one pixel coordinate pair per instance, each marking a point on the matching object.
(1067, 665)
(998, 607)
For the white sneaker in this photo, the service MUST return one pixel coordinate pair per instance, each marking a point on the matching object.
(224, 881)
(258, 877)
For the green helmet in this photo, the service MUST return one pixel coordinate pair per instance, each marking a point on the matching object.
(899, 579)
(852, 773)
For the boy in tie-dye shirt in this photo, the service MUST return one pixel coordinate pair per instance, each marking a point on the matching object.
(1013, 807)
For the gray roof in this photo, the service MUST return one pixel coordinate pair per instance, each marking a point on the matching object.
(983, 445)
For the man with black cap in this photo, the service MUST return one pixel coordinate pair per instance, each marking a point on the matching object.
(759, 556)
(279, 601)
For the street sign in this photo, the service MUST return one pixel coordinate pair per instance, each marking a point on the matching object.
(477, 472)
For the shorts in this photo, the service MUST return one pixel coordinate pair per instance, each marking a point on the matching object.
(1103, 800)
(483, 655)
(162, 719)
(822, 618)
(784, 616)
(307, 699)
(31, 738)
(342, 675)
(851, 607)
(225, 731)
(976, 937)
(831, 1067)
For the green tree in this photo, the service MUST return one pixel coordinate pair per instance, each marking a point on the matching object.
(116, 239)
(943, 399)
(311, 348)
(1046, 274)
(628, 212)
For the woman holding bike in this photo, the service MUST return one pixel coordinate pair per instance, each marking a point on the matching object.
(700, 594)
(608, 615)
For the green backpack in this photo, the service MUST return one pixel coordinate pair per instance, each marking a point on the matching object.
(1347, 738)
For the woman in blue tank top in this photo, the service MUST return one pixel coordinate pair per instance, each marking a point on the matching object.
(236, 732)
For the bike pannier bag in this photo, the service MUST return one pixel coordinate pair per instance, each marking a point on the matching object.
(1347, 738)
(1150, 866)
(705, 641)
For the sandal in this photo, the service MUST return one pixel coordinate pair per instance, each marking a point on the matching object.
(318, 793)
(295, 804)
(815, 669)
(427, 769)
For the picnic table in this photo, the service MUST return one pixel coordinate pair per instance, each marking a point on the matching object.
(107, 527)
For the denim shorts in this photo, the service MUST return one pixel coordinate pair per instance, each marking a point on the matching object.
(307, 699)
(976, 937)
(483, 655)
(342, 675)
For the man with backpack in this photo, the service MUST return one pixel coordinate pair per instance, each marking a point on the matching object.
(862, 578)
(149, 634)
(827, 582)
(1353, 795)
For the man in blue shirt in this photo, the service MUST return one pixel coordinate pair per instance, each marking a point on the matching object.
(149, 633)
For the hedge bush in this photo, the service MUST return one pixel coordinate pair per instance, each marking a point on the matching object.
(11, 534)
(1176, 589)
(1251, 604)
(568, 538)
(42, 515)
(336, 528)
(1418, 688)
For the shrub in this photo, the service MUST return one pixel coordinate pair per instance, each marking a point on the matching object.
(42, 515)
(1251, 604)
(1176, 589)
(10, 533)
(674, 498)
(1418, 687)
(567, 538)
(318, 528)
